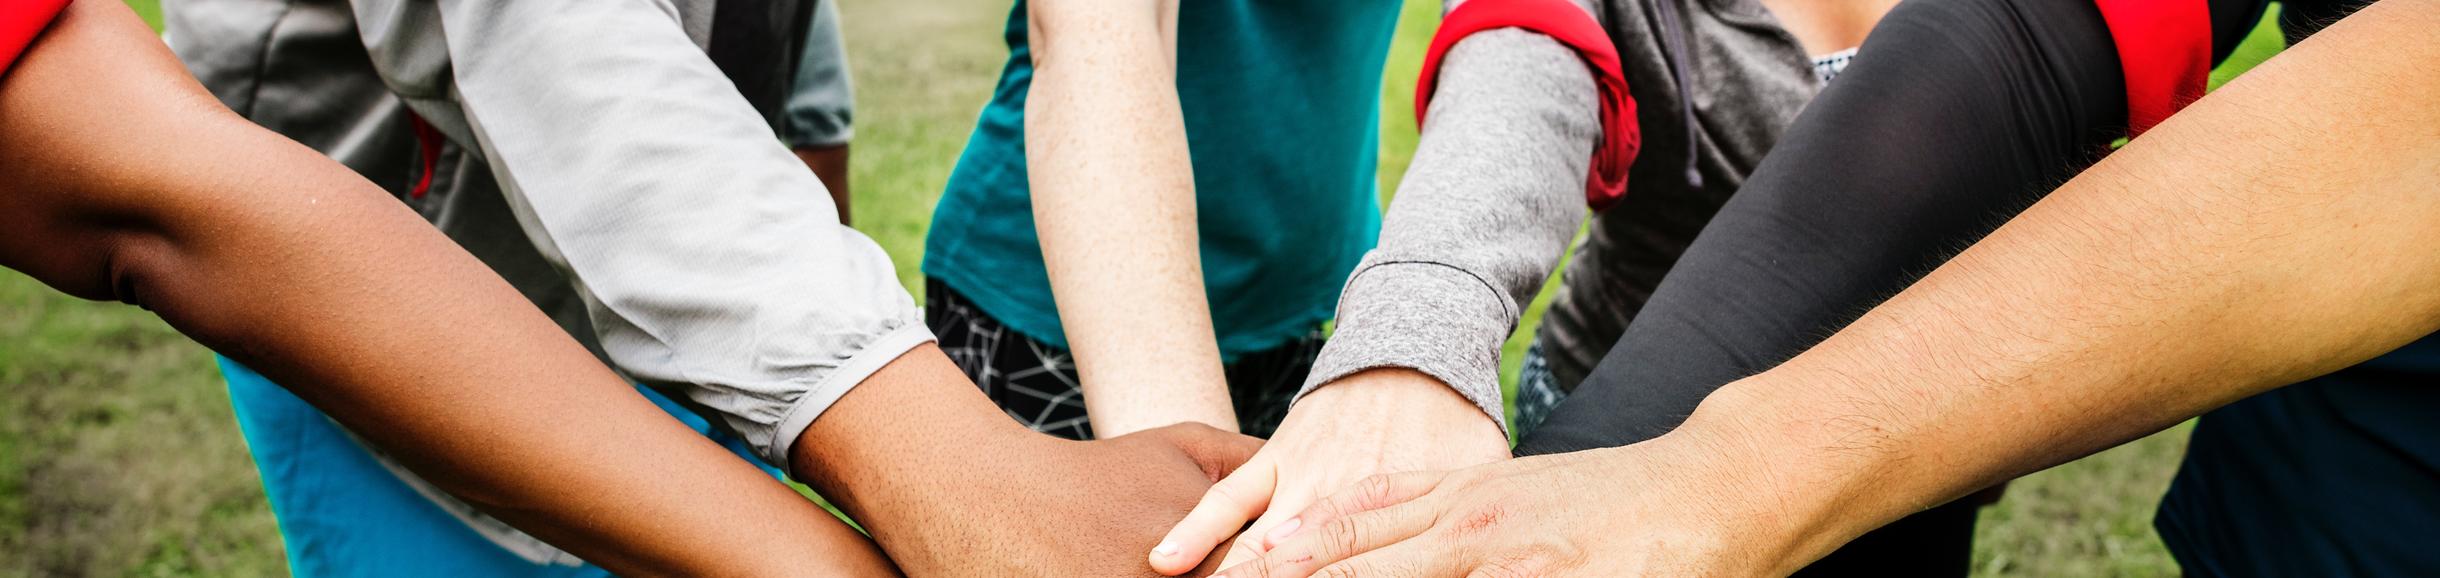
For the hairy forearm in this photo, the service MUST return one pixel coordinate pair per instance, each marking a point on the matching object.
(1114, 203)
(2274, 231)
(131, 183)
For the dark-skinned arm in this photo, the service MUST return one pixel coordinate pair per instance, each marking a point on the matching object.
(120, 178)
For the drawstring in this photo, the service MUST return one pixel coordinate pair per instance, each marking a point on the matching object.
(427, 151)
(1673, 40)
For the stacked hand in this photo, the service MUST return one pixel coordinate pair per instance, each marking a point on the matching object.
(1375, 422)
(1051, 507)
(1652, 509)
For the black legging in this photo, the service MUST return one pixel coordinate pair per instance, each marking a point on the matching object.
(1960, 114)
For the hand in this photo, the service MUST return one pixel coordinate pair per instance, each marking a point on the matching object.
(1374, 422)
(1673, 506)
(1052, 507)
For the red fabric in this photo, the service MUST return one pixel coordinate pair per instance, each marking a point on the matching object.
(428, 151)
(1563, 21)
(20, 22)
(2165, 47)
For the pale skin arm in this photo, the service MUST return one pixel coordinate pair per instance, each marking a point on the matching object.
(2277, 230)
(1394, 418)
(120, 178)
(1114, 202)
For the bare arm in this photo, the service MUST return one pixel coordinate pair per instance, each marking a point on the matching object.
(120, 178)
(829, 164)
(1114, 201)
(2277, 230)
(1410, 381)
(821, 108)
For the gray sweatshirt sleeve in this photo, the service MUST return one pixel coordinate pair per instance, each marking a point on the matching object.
(709, 258)
(1495, 193)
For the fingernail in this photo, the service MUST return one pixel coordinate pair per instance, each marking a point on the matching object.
(1284, 529)
(1166, 549)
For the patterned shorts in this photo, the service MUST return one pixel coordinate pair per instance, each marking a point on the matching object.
(1538, 391)
(1035, 382)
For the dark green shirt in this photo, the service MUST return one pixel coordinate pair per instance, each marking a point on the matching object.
(1282, 102)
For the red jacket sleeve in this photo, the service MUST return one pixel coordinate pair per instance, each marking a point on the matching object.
(1561, 20)
(2165, 48)
(20, 22)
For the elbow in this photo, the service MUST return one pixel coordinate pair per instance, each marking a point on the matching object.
(1053, 25)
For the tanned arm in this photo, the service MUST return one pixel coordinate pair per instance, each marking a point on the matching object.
(2277, 230)
(120, 178)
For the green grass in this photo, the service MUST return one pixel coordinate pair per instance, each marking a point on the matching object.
(119, 456)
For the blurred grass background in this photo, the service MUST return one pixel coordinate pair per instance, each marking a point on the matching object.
(119, 456)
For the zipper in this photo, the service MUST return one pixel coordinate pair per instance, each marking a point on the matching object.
(1673, 41)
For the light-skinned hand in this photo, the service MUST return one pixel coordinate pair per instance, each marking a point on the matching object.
(1373, 422)
(1674, 506)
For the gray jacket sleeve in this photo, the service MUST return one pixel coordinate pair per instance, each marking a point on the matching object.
(821, 109)
(710, 260)
(1495, 193)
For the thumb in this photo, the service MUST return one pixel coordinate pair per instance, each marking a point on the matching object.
(1218, 452)
(1222, 512)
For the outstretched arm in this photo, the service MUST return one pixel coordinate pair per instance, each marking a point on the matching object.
(1410, 381)
(121, 179)
(2274, 231)
(2279, 230)
(1114, 200)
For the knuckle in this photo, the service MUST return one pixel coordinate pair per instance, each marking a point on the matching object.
(1343, 537)
(1374, 490)
(1479, 521)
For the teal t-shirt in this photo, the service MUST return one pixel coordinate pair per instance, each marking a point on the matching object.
(1282, 104)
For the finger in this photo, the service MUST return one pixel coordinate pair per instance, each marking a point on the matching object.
(1285, 500)
(1223, 510)
(1339, 540)
(1372, 493)
(1246, 547)
(1416, 558)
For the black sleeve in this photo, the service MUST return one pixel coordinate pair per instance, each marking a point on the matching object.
(1965, 112)
(1961, 113)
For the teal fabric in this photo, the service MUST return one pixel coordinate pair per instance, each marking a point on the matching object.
(343, 514)
(1282, 102)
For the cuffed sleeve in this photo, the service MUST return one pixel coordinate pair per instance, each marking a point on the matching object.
(1489, 205)
(710, 260)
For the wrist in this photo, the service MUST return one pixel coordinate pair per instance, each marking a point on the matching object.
(1807, 468)
(1123, 398)
(1110, 422)
(1402, 395)
(917, 418)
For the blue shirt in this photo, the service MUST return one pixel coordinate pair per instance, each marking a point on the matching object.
(2336, 476)
(1282, 103)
